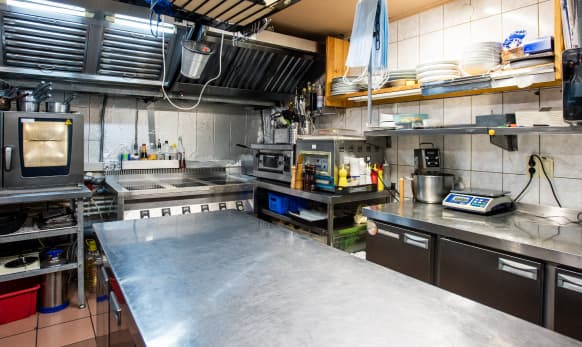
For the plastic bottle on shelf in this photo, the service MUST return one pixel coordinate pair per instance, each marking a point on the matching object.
(172, 152)
(159, 152)
(92, 258)
(181, 153)
(166, 149)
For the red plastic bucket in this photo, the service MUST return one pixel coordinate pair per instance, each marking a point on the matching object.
(18, 304)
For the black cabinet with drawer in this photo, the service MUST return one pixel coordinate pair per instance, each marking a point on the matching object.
(508, 283)
(406, 251)
(568, 303)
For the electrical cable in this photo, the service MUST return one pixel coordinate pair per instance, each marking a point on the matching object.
(524, 188)
(205, 85)
(547, 178)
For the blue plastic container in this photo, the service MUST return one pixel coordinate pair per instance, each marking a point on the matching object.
(278, 203)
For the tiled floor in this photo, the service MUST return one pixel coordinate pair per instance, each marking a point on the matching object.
(71, 327)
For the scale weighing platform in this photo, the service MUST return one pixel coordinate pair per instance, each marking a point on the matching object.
(481, 201)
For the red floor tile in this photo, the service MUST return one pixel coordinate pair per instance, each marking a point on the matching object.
(27, 339)
(68, 314)
(66, 333)
(19, 326)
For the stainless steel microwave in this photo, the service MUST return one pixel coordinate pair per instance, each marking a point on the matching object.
(273, 161)
(41, 150)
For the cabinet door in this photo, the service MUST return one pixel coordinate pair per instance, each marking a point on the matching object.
(507, 283)
(568, 303)
(402, 250)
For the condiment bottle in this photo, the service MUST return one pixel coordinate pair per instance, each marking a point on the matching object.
(144, 152)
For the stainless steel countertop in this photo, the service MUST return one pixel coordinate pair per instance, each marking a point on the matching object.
(22, 196)
(524, 233)
(229, 279)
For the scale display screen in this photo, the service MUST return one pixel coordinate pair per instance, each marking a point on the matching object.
(461, 199)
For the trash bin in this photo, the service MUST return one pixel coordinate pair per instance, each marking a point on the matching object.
(53, 286)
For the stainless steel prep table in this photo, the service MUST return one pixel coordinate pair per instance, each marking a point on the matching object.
(515, 232)
(229, 279)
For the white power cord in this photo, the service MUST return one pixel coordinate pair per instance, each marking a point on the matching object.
(205, 85)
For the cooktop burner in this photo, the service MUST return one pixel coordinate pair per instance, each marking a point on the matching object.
(20, 262)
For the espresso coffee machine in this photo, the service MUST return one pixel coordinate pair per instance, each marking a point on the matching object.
(572, 85)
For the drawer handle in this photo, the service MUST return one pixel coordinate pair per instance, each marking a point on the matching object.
(519, 269)
(389, 234)
(104, 276)
(115, 307)
(416, 241)
(570, 283)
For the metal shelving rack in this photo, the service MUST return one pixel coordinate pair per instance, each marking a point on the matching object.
(76, 196)
(328, 199)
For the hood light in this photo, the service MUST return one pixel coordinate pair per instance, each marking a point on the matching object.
(49, 6)
(140, 23)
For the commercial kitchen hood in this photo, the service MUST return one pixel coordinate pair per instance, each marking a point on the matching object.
(109, 48)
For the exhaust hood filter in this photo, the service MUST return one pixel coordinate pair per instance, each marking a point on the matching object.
(230, 15)
(194, 58)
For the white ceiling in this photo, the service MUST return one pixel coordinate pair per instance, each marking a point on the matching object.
(319, 18)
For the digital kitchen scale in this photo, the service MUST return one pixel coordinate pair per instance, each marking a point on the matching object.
(481, 201)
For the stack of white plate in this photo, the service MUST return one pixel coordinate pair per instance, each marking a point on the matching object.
(402, 75)
(340, 86)
(442, 70)
(481, 57)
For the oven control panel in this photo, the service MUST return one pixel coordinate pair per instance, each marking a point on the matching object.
(237, 205)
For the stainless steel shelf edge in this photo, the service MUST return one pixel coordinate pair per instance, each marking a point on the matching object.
(9, 197)
(37, 272)
(38, 234)
(320, 231)
(476, 130)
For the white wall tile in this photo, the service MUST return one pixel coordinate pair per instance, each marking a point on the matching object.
(393, 32)
(92, 151)
(457, 111)
(221, 135)
(408, 53)
(389, 108)
(455, 38)
(167, 126)
(408, 27)
(143, 129)
(434, 109)
(393, 56)
(462, 178)
(516, 162)
(431, 47)
(484, 155)
(406, 146)
(409, 107)
(516, 183)
(485, 104)
(457, 12)
(523, 18)
(431, 20)
(508, 5)
(485, 8)
(457, 152)
(487, 29)
(187, 129)
(551, 97)
(354, 119)
(486, 180)
(391, 153)
(204, 136)
(546, 16)
(569, 193)
(520, 101)
(363, 111)
(564, 149)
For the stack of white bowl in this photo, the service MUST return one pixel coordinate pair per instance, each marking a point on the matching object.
(441, 70)
(481, 57)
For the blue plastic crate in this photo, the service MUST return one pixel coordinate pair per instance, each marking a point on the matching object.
(278, 203)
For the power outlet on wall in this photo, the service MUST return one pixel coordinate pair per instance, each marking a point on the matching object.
(548, 165)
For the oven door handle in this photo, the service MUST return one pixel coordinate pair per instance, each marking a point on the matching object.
(115, 307)
(8, 157)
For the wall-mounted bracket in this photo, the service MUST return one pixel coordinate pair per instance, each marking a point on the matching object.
(506, 142)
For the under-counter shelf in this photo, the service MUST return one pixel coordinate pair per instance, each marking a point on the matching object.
(33, 234)
(38, 272)
(24, 196)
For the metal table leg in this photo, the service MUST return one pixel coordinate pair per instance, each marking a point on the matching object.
(80, 254)
(330, 217)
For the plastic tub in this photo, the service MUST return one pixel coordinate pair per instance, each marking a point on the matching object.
(278, 203)
(19, 304)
